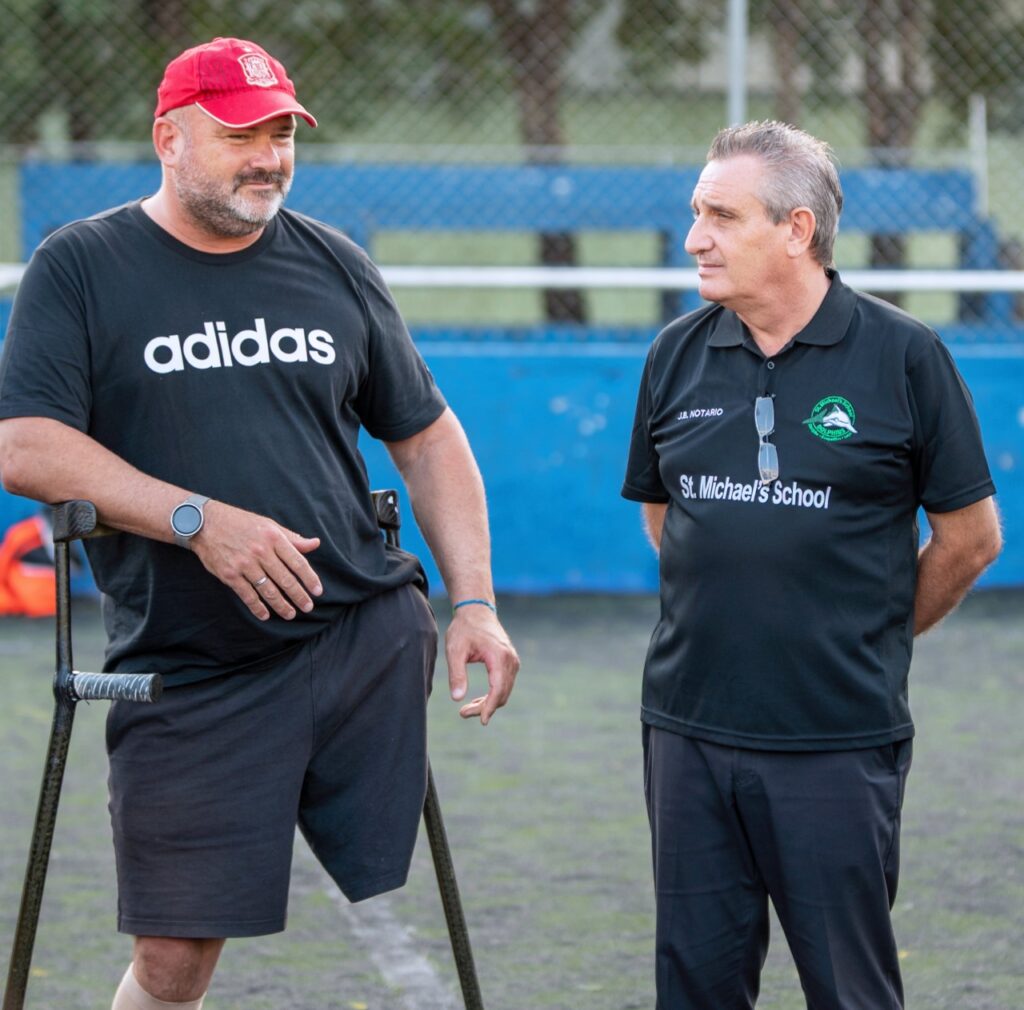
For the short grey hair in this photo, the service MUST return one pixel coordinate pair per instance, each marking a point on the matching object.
(180, 118)
(801, 172)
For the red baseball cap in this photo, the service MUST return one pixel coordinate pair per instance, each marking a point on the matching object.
(236, 82)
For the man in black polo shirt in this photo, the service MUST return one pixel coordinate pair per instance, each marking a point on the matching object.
(784, 440)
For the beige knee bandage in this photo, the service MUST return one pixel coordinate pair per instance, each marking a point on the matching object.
(131, 996)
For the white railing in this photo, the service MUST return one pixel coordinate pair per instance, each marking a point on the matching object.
(657, 278)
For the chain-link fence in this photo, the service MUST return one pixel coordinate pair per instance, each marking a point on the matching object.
(929, 88)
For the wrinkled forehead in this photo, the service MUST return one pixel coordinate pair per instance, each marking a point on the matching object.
(733, 182)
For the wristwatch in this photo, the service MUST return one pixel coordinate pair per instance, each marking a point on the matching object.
(187, 520)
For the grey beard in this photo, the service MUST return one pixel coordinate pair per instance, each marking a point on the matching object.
(227, 217)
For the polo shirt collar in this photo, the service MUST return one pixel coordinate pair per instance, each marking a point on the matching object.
(828, 325)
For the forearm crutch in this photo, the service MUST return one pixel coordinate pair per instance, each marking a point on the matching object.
(72, 520)
(385, 504)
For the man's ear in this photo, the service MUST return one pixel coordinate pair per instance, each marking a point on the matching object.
(168, 141)
(801, 231)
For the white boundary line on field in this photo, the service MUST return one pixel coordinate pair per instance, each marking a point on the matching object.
(388, 944)
(392, 949)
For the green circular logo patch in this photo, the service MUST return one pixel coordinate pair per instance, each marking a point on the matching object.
(832, 419)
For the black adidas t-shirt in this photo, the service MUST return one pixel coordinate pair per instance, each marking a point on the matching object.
(244, 377)
(787, 609)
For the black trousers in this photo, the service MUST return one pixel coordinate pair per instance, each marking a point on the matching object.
(816, 832)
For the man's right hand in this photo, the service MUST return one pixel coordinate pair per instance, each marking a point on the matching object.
(262, 561)
(50, 461)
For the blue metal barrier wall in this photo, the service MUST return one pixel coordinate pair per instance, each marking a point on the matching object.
(550, 428)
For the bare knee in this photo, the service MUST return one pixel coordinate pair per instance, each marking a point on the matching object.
(175, 969)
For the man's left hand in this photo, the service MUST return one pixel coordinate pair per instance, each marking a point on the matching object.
(475, 635)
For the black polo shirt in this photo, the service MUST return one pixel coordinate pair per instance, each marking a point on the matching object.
(787, 609)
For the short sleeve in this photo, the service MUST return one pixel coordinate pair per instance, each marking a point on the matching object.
(399, 397)
(45, 366)
(950, 469)
(643, 478)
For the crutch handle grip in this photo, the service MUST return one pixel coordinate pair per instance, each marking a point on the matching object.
(76, 520)
(140, 687)
(385, 506)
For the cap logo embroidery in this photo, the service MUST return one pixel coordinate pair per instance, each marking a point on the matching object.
(832, 419)
(257, 70)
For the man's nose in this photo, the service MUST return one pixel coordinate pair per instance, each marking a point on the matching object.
(696, 239)
(266, 156)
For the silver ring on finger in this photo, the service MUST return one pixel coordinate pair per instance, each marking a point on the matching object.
(259, 582)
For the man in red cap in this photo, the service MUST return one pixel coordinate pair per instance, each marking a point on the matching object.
(216, 190)
(199, 364)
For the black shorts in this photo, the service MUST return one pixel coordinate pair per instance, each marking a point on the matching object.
(208, 785)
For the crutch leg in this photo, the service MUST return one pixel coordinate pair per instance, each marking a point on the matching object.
(71, 521)
(389, 519)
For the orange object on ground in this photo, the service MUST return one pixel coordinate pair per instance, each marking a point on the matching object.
(28, 581)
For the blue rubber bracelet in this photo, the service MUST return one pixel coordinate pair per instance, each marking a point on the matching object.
(483, 603)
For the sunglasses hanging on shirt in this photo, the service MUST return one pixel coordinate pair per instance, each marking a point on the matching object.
(767, 454)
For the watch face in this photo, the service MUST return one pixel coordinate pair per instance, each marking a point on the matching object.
(187, 520)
